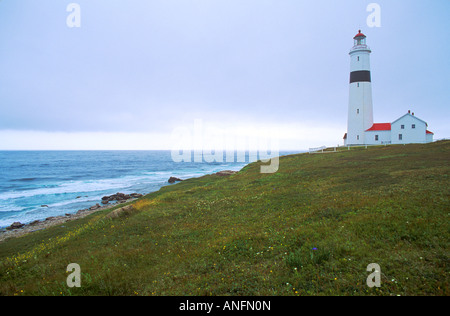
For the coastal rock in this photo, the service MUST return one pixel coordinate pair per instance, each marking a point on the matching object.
(173, 180)
(81, 211)
(18, 229)
(120, 197)
(96, 206)
(55, 219)
(226, 173)
(123, 211)
(15, 225)
(44, 205)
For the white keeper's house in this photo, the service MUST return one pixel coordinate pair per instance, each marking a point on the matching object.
(361, 130)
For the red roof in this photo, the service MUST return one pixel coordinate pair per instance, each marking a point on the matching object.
(428, 132)
(380, 127)
(359, 35)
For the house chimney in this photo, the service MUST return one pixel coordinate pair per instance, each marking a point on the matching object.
(413, 113)
(409, 111)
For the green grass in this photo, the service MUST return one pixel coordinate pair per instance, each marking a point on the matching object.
(312, 228)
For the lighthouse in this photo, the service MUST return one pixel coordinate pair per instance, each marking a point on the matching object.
(360, 106)
(361, 130)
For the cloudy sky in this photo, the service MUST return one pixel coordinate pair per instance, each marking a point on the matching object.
(136, 73)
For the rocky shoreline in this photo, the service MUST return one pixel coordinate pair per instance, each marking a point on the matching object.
(18, 229)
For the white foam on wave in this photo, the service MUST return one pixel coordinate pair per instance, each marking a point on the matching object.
(11, 208)
(84, 187)
(75, 187)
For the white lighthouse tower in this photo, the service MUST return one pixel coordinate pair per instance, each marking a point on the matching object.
(360, 107)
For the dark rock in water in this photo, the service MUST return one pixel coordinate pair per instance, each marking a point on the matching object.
(78, 197)
(120, 197)
(44, 205)
(15, 225)
(50, 218)
(173, 180)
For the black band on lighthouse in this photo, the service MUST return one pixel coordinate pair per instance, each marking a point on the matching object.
(360, 76)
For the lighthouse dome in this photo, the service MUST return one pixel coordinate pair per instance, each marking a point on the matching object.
(359, 35)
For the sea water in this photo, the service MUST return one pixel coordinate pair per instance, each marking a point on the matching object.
(35, 185)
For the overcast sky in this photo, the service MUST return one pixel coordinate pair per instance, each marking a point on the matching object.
(136, 72)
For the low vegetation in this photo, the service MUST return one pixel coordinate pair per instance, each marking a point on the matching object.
(312, 228)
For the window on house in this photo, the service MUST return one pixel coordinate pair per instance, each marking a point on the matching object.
(357, 137)
(357, 111)
(358, 58)
(376, 137)
(402, 127)
(358, 84)
(400, 136)
(413, 126)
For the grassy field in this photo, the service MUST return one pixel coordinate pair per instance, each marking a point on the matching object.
(312, 228)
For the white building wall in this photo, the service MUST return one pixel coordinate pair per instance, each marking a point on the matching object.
(360, 108)
(404, 126)
(364, 59)
(360, 112)
(384, 137)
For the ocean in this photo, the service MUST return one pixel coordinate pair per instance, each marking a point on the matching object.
(35, 185)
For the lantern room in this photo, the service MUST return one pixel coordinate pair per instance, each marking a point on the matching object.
(360, 39)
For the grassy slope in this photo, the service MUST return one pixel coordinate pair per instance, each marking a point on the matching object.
(254, 234)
